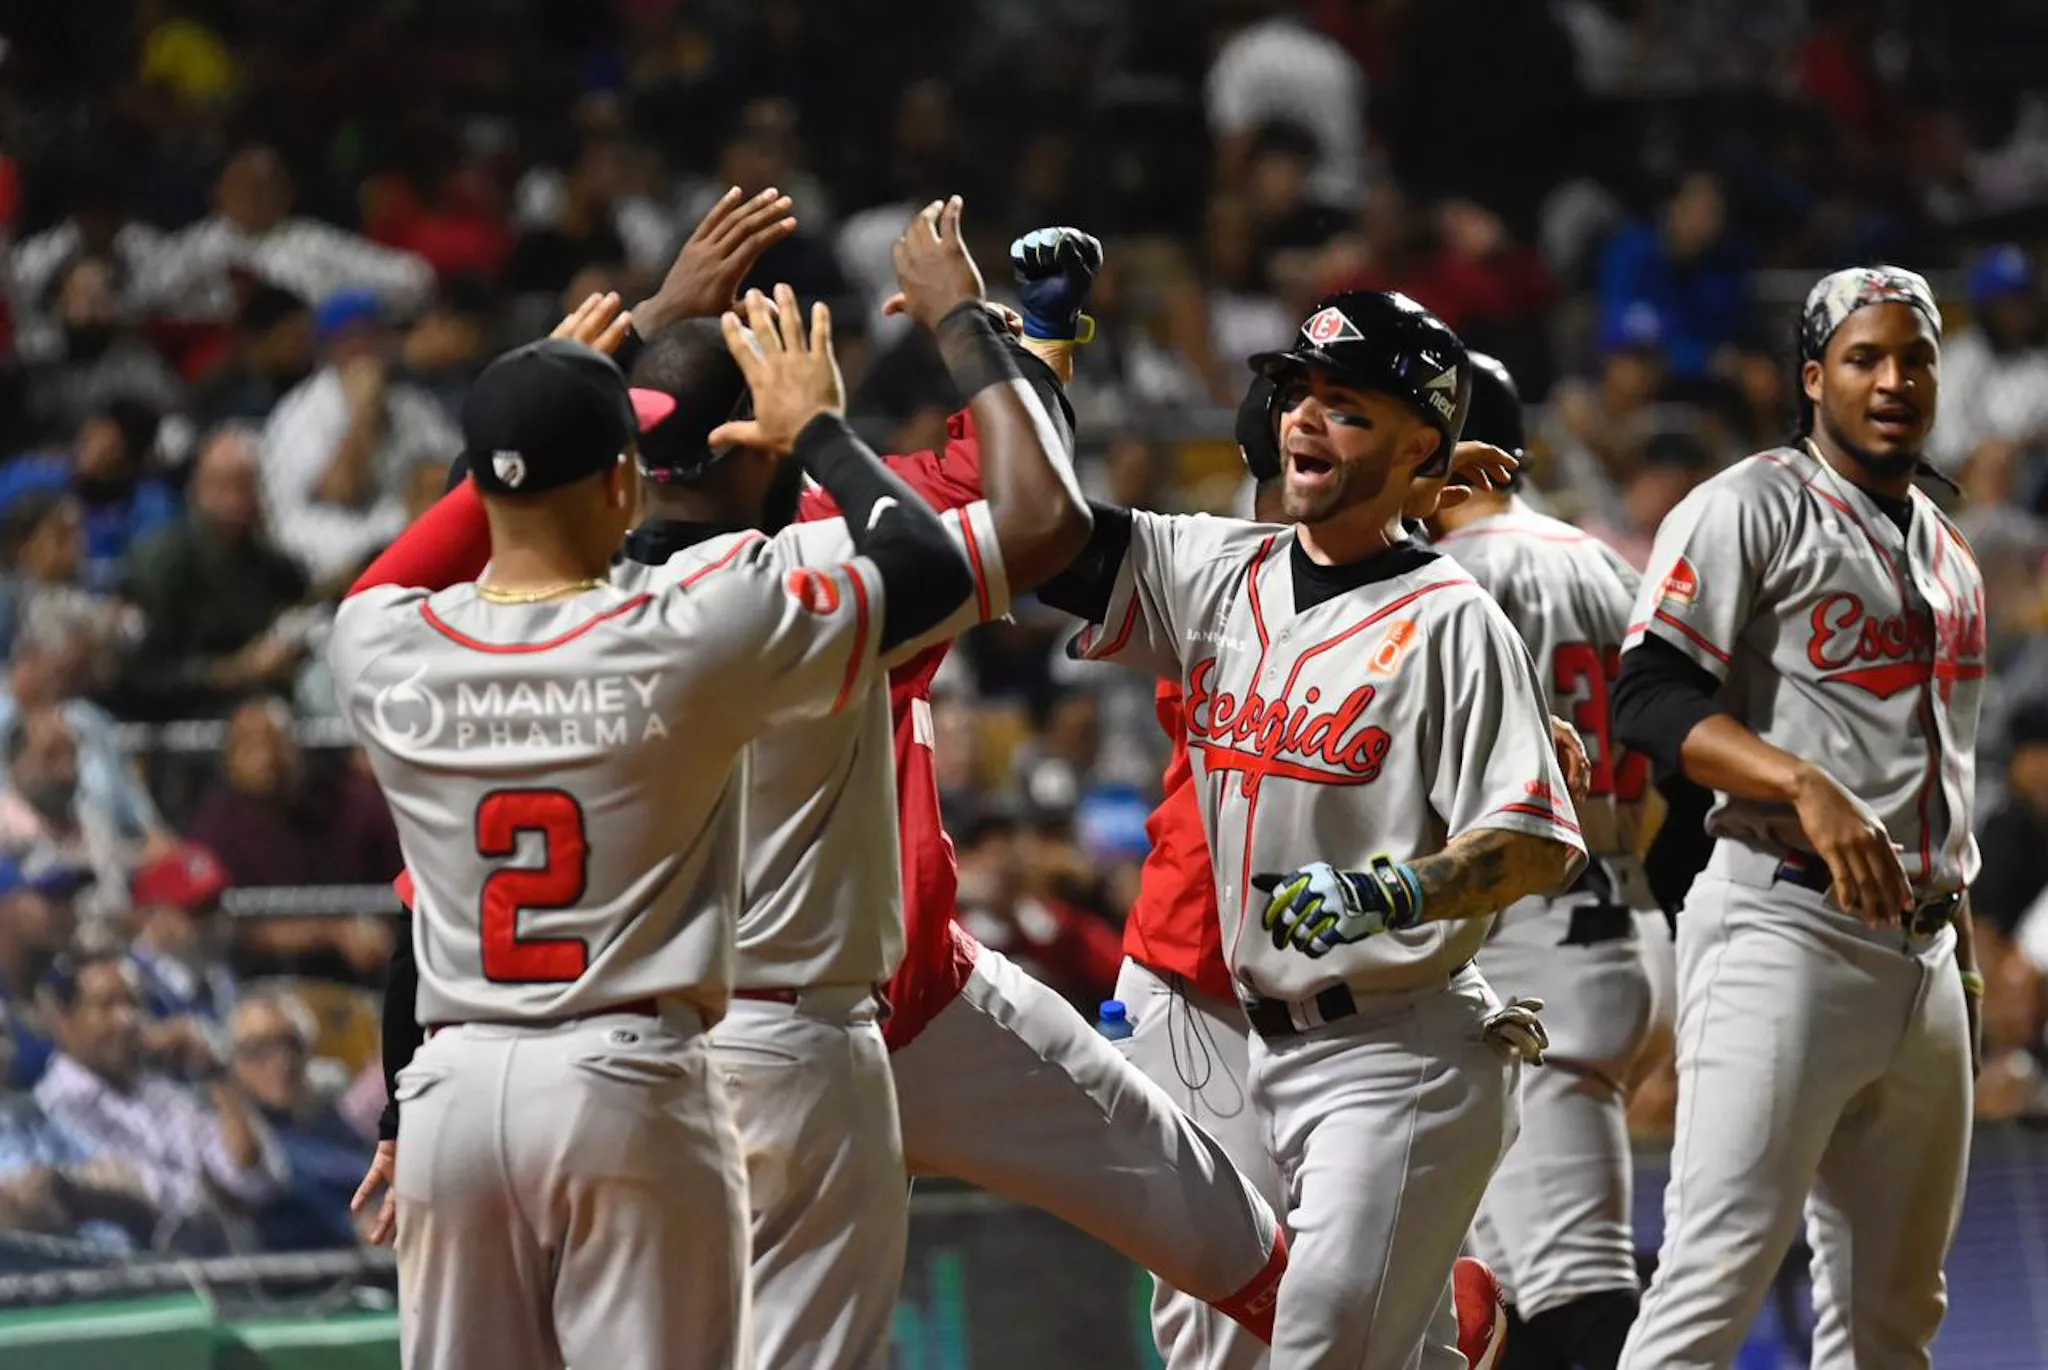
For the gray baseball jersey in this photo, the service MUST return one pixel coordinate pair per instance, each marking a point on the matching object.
(822, 892)
(1837, 638)
(1568, 595)
(1385, 720)
(560, 773)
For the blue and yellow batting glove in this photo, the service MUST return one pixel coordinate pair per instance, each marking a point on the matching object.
(1319, 907)
(1055, 269)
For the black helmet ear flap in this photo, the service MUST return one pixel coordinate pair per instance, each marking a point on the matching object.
(1258, 429)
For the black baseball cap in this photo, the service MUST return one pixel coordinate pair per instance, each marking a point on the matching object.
(546, 415)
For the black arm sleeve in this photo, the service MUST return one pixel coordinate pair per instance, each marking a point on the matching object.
(1045, 383)
(924, 577)
(1660, 696)
(979, 352)
(1083, 589)
(402, 1031)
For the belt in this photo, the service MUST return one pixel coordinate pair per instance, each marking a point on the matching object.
(1605, 918)
(640, 1008)
(794, 997)
(1274, 1018)
(1924, 921)
(1592, 924)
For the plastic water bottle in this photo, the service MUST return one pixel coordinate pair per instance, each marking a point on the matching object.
(1113, 1020)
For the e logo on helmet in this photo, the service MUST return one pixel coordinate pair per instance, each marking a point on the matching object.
(1330, 325)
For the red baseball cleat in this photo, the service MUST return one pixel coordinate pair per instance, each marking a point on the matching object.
(1482, 1313)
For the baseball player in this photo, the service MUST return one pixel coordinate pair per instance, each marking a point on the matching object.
(1555, 1222)
(821, 927)
(1188, 1033)
(999, 1081)
(556, 742)
(1351, 694)
(1809, 644)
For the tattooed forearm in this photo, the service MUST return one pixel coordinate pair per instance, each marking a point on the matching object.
(1483, 872)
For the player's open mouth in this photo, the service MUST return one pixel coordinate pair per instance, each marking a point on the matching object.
(1309, 464)
(1895, 420)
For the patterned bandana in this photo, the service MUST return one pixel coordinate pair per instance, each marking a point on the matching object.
(1842, 294)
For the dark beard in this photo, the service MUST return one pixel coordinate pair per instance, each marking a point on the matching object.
(1888, 467)
(779, 504)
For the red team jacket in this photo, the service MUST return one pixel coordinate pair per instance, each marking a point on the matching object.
(938, 954)
(1175, 928)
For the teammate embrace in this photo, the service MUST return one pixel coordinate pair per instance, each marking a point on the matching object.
(685, 1003)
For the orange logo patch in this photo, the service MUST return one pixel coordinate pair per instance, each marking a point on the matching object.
(1540, 789)
(1682, 586)
(815, 590)
(1386, 658)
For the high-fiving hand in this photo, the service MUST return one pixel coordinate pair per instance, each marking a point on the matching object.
(716, 258)
(793, 373)
(598, 322)
(933, 268)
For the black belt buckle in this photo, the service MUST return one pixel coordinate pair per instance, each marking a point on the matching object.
(1273, 1018)
(1929, 917)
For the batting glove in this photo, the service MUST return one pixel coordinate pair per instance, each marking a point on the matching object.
(1516, 1028)
(1055, 269)
(1320, 907)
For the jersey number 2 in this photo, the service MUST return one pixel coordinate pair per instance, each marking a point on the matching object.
(1572, 664)
(557, 883)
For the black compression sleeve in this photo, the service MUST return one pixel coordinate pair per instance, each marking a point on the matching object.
(1045, 383)
(979, 352)
(402, 1031)
(1083, 589)
(973, 350)
(1660, 696)
(924, 577)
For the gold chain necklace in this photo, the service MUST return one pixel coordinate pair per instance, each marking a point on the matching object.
(571, 587)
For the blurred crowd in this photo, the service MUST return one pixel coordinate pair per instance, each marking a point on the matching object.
(256, 251)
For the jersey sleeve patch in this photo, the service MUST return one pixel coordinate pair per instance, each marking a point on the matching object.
(812, 590)
(1682, 586)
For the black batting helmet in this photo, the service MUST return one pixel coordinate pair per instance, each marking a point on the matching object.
(1496, 413)
(685, 384)
(1380, 340)
(1258, 437)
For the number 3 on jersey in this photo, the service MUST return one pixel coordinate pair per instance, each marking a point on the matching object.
(1581, 663)
(557, 883)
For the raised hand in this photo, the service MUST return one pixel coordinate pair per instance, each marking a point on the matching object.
(598, 322)
(933, 269)
(707, 272)
(793, 374)
(1054, 269)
